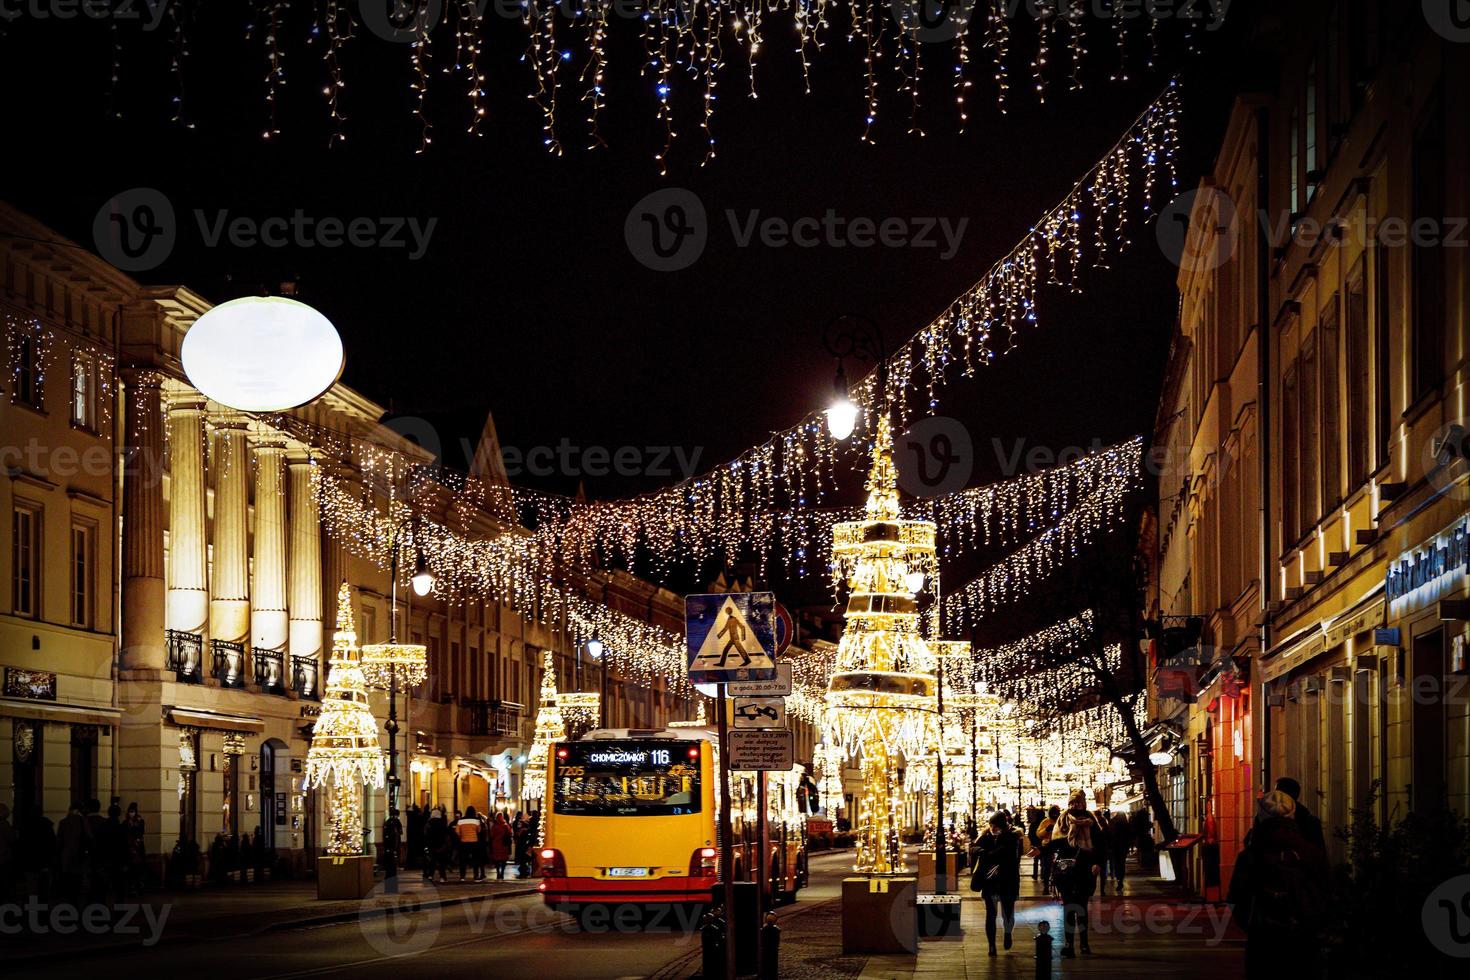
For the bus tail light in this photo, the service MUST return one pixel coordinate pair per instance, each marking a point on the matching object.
(702, 863)
(552, 863)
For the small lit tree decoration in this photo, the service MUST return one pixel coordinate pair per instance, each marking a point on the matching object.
(880, 702)
(344, 753)
(549, 728)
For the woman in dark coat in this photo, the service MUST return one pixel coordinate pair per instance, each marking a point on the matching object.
(997, 877)
(1077, 852)
(500, 844)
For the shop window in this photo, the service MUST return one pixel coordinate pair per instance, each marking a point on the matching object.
(83, 763)
(1427, 685)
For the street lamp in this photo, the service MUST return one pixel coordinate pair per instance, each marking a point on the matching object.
(385, 665)
(847, 336)
(423, 579)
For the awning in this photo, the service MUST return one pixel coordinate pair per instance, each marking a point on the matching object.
(59, 714)
(215, 720)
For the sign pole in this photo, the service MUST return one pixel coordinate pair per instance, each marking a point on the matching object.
(762, 864)
(727, 849)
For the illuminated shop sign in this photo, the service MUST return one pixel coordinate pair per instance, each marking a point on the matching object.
(1447, 555)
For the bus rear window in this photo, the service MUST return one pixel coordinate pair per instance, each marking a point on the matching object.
(620, 779)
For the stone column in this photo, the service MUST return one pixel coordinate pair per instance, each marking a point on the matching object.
(142, 520)
(304, 576)
(229, 607)
(269, 621)
(188, 554)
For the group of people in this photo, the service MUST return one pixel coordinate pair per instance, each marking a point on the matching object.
(84, 857)
(473, 841)
(245, 858)
(1071, 850)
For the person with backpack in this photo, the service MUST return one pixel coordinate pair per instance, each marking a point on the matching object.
(1277, 892)
(997, 877)
(1076, 855)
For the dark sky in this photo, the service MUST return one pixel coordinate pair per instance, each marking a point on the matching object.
(528, 302)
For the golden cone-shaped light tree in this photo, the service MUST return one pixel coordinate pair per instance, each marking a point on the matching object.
(880, 700)
(345, 754)
(549, 728)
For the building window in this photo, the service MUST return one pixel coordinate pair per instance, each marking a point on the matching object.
(1308, 511)
(1382, 354)
(83, 565)
(27, 370)
(84, 391)
(1290, 458)
(1336, 123)
(83, 763)
(1428, 252)
(1296, 163)
(1359, 436)
(25, 560)
(1331, 386)
(1313, 174)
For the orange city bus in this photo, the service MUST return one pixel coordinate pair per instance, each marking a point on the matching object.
(631, 817)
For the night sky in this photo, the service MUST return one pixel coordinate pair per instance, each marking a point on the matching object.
(528, 302)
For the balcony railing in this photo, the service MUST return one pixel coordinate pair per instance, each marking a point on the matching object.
(270, 672)
(306, 678)
(492, 717)
(229, 663)
(185, 655)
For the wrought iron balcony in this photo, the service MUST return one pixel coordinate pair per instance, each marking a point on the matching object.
(229, 663)
(184, 654)
(492, 717)
(270, 671)
(306, 678)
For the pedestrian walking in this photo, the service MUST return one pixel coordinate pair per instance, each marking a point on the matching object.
(245, 858)
(73, 841)
(264, 857)
(1119, 842)
(438, 845)
(467, 831)
(1075, 845)
(38, 853)
(522, 833)
(500, 844)
(1307, 822)
(110, 849)
(1043, 837)
(137, 848)
(8, 841)
(1278, 892)
(997, 875)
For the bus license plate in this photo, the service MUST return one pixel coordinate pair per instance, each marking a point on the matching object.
(627, 872)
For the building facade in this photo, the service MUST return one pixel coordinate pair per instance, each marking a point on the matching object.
(1312, 510)
(171, 588)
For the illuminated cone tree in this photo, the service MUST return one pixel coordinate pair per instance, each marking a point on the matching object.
(549, 728)
(880, 700)
(345, 755)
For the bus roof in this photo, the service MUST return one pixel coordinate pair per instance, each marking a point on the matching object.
(681, 735)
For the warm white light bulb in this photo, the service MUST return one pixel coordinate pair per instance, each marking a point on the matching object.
(842, 417)
(915, 582)
(423, 583)
(594, 648)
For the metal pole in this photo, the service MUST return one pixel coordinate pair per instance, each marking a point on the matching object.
(763, 862)
(941, 878)
(975, 769)
(390, 849)
(727, 850)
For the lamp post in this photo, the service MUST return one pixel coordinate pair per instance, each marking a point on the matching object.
(941, 879)
(384, 665)
(852, 335)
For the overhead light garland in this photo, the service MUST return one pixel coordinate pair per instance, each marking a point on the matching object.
(344, 754)
(688, 49)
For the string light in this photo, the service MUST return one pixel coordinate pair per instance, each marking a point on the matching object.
(550, 728)
(686, 39)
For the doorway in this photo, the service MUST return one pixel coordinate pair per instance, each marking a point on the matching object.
(1426, 684)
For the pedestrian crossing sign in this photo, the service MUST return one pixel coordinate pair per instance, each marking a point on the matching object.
(731, 637)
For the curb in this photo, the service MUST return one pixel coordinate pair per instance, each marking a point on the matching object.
(332, 918)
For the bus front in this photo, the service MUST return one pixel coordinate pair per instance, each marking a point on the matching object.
(631, 820)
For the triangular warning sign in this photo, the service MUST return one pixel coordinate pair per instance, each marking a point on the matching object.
(731, 643)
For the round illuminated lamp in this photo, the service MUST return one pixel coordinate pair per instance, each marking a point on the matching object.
(262, 354)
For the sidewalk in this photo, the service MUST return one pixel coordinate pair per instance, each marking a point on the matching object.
(1152, 930)
(234, 911)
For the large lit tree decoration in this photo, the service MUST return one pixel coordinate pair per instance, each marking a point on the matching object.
(344, 754)
(549, 728)
(880, 701)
